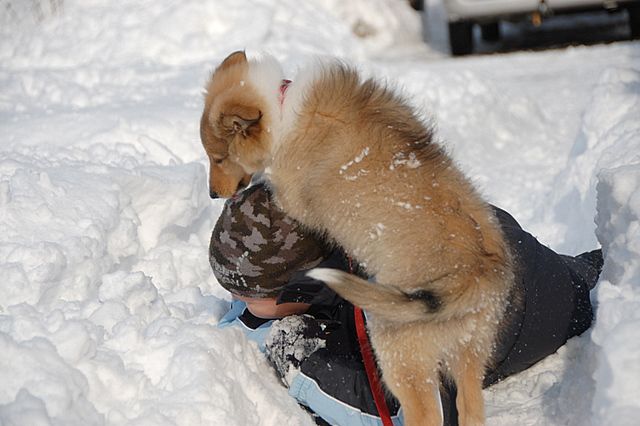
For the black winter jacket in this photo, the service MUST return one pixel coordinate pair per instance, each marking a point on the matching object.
(554, 306)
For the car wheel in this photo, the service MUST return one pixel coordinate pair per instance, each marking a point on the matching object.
(634, 20)
(417, 4)
(490, 31)
(461, 37)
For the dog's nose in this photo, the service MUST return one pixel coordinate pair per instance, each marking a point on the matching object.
(213, 194)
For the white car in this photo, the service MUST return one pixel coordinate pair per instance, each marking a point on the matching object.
(463, 14)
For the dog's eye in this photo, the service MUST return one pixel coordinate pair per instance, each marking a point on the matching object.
(217, 160)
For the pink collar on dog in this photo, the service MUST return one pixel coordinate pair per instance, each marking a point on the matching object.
(283, 90)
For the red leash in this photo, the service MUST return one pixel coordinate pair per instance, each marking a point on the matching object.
(371, 368)
(370, 363)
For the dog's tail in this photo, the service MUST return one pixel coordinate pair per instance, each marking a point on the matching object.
(383, 301)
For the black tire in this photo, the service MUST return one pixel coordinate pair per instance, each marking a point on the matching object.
(461, 37)
(634, 20)
(490, 31)
(417, 4)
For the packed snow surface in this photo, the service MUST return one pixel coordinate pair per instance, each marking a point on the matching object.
(108, 308)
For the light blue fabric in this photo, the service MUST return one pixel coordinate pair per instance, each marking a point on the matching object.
(307, 392)
(231, 319)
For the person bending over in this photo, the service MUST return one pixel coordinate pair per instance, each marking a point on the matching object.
(310, 334)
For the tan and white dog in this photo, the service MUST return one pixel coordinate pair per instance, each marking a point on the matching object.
(348, 158)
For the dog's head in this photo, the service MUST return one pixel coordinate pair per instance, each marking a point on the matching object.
(233, 128)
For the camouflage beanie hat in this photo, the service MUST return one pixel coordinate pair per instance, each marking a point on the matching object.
(255, 248)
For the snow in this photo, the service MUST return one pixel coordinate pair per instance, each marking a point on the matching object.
(108, 308)
(615, 334)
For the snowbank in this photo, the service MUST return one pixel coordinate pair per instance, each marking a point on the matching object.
(608, 138)
(607, 151)
(103, 316)
(616, 329)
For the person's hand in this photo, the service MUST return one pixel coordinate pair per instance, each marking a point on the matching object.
(292, 339)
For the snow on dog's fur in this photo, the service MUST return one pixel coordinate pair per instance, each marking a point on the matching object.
(350, 159)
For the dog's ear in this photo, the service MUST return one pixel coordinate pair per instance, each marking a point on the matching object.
(235, 58)
(241, 119)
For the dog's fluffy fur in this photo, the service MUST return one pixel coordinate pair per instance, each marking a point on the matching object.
(350, 159)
